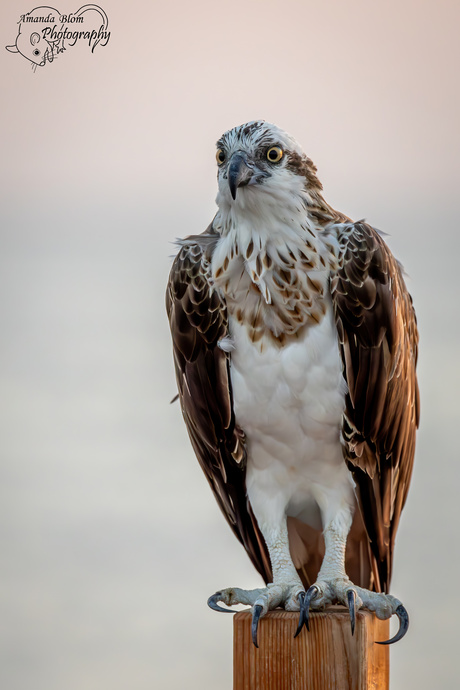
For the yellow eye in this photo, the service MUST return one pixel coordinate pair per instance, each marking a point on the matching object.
(220, 156)
(275, 154)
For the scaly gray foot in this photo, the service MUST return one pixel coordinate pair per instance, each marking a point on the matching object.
(343, 591)
(288, 595)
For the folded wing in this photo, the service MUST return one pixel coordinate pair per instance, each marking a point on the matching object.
(199, 324)
(378, 339)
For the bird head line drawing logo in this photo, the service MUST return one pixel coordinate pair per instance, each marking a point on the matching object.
(44, 33)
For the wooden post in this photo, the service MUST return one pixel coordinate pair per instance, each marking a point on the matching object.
(325, 658)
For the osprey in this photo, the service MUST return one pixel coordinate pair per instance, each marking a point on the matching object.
(295, 347)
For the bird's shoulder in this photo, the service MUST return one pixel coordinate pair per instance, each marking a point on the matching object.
(368, 289)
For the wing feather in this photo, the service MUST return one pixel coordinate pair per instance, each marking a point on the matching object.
(378, 339)
(198, 320)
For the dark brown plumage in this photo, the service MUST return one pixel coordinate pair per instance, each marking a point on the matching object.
(378, 338)
(198, 322)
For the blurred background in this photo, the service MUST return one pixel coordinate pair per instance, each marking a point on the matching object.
(110, 538)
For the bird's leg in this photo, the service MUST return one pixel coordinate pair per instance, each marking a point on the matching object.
(334, 587)
(286, 589)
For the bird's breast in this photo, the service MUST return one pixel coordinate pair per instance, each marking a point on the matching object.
(275, 291)
(289, 401)
(289, 392)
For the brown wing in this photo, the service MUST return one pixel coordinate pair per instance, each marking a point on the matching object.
(198, 321)
(378, 341)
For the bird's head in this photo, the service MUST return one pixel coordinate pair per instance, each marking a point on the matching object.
(258, 162)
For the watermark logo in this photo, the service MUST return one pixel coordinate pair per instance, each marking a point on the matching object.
(44, 33)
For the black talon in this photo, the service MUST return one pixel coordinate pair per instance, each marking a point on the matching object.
(351, 598)
(403, 625)
(305, 600)
(301, 614)
(212, 603)
(255, 623)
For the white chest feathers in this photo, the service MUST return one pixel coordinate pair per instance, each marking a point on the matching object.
(295, 391)
(289, 401)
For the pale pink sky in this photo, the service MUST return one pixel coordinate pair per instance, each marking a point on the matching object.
(111, 539)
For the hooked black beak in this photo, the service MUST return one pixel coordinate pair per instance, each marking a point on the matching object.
(239, 172)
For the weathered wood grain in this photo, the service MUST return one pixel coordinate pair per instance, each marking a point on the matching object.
(326, 658)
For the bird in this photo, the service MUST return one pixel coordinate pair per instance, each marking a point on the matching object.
(295, 347)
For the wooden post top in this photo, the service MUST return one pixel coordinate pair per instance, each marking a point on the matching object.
(327, 657)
